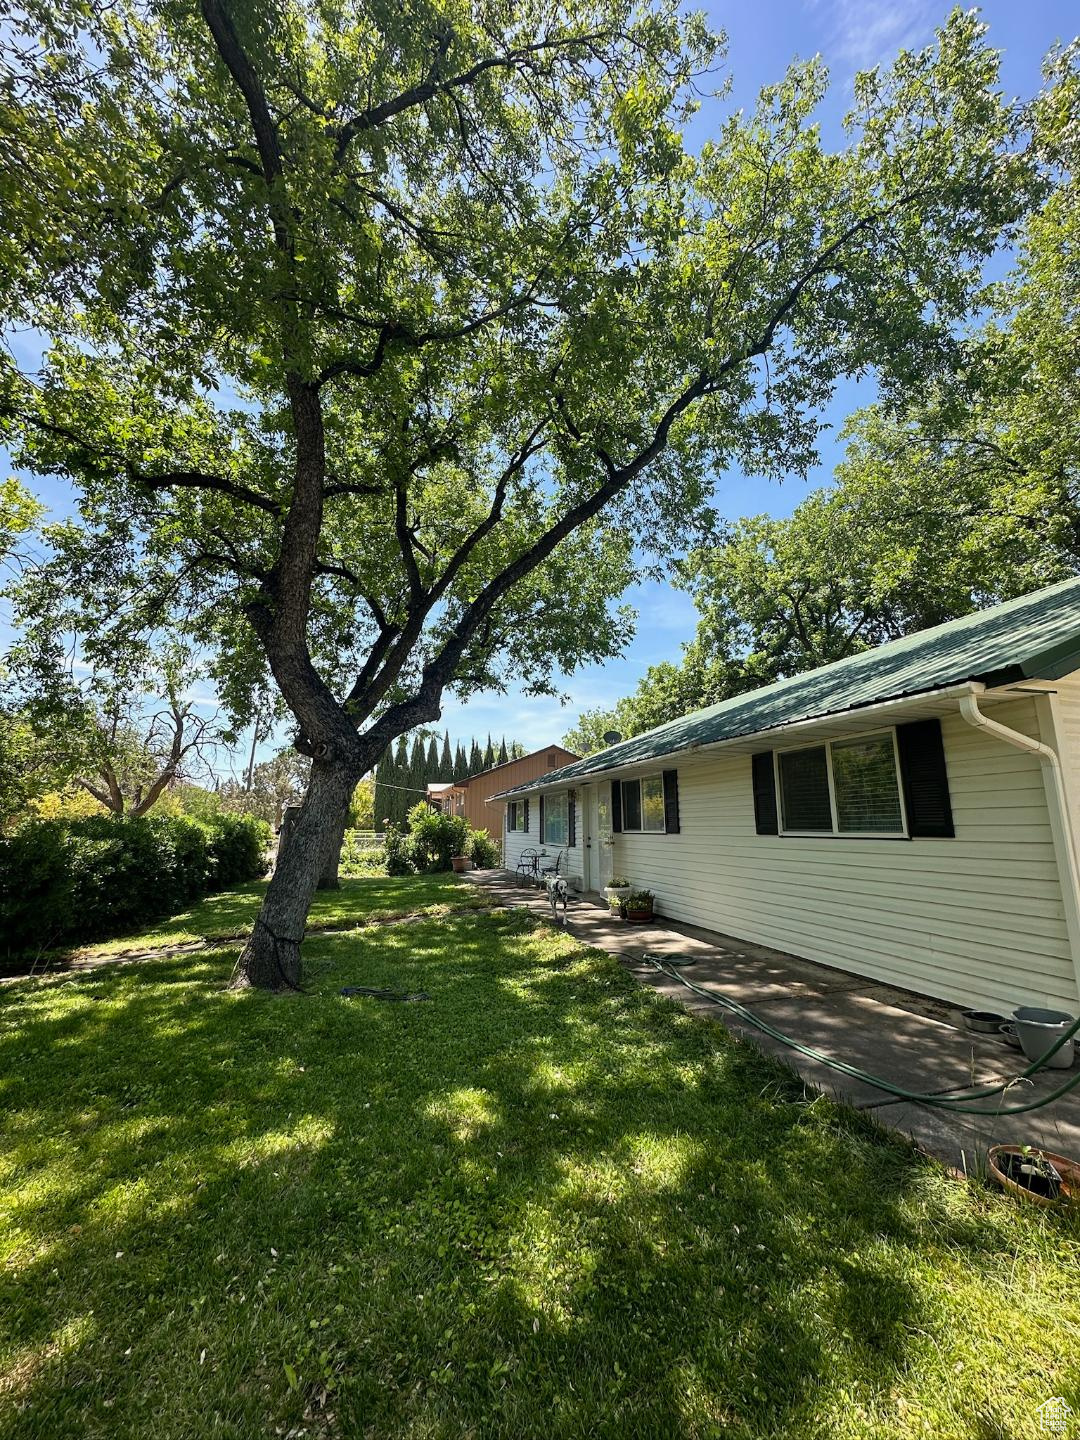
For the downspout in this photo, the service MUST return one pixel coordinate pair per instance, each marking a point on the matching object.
(1057, 797)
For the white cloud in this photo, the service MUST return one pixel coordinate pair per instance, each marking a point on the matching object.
(864, 33)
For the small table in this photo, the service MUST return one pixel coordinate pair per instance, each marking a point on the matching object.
(528, 866)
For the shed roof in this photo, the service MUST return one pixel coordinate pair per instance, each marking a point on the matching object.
(1036, 636)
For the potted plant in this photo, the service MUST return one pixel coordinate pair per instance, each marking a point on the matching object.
(460, 863)
(1036, 1175)
(616, 893)
(639, 907)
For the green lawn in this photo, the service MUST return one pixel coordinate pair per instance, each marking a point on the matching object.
(544, 1203)
(233, 911)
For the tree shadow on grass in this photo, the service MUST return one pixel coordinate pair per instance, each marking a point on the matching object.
(544, 1203)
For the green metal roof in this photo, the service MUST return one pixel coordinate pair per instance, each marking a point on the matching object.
(1037, 636)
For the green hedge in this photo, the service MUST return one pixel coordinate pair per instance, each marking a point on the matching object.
(66, 881)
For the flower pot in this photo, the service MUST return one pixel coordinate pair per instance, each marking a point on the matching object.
(639, 917)
(1038, 1030)
(460, 863)
(616, 894)
(1022, 1170)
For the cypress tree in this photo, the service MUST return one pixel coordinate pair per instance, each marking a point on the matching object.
(384, 796)
(446, 760)
(489, 754)
(431, 767)
(476, 759)
(400, 779)
(502, 757)
(461, 764)
(416, 782)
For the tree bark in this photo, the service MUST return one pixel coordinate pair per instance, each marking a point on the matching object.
(333, 840)
(271, 957)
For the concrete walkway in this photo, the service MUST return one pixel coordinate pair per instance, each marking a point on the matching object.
(913, 1041)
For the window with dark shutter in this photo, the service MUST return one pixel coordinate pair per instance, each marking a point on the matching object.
(616, 806)
(804, 789)
(925, 780)
(671, 801)
(631, 804)
(571, 819)
(541, 819)
(525, 827)
(765, 818)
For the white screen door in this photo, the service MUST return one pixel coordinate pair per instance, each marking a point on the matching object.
(600, 861)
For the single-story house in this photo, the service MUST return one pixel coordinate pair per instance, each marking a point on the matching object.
(908, 813)
(469, 797)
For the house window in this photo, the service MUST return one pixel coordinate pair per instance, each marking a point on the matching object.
(556, 820)
(866, 785)
(515, 815)
(804, 789)
(643, 804)
(847, 787)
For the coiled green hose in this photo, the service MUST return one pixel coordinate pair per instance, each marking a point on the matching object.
(955, 1104)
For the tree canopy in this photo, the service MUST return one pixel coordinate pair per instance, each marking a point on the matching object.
(378, 340)
(960, 496)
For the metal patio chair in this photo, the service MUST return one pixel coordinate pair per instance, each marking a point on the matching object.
(552, 872)
(528, 864)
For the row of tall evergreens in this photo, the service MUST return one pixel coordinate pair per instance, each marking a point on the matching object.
(404, 773)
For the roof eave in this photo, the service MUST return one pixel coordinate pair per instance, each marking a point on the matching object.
(899, 703)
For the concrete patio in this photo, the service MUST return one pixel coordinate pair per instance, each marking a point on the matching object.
(916, 1042)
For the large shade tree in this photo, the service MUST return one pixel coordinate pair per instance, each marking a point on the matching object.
(958, 496)
(379, 337)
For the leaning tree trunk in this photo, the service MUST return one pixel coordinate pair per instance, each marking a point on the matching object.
(271, 958)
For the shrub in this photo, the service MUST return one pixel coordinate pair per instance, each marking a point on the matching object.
(434, 837)
(483, 851)
(238, 846)
(398, 858)
(82, 879)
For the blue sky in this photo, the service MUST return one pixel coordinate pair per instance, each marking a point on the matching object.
(764, 36)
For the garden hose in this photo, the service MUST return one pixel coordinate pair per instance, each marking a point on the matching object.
(954, 1104)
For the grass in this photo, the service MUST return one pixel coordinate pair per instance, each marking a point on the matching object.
(545, 1203)
(233, 911)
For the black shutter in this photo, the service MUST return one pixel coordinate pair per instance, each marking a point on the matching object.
(925, 780)
(765, 794)
(571, 819)
(526, 804)
(671, 801)
(508, 824)
(616, 806)
(541, 819)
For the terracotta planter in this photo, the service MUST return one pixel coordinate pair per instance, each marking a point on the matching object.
(460, 863)
(1000, 1158)
(639, 917)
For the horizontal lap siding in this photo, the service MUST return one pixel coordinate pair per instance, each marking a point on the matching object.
(518, 840)
(977, 919)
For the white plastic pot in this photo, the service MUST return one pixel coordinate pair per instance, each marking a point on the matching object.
(1038, 1030)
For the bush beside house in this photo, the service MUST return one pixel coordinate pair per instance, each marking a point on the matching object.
(66, 881)
(432, 840)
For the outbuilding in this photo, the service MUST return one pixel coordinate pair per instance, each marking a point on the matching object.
(908, 813)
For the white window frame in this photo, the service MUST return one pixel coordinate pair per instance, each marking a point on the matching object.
(515, 817)
(564, 796)
(836, 834)
(639, 781)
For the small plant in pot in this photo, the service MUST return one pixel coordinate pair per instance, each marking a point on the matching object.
(616, 894)
(639, 907)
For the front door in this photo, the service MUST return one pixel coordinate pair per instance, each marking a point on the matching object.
(600, 856)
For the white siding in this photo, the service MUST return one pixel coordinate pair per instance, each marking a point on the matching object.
(977, 919)
(515, 841)
(1067, 705)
